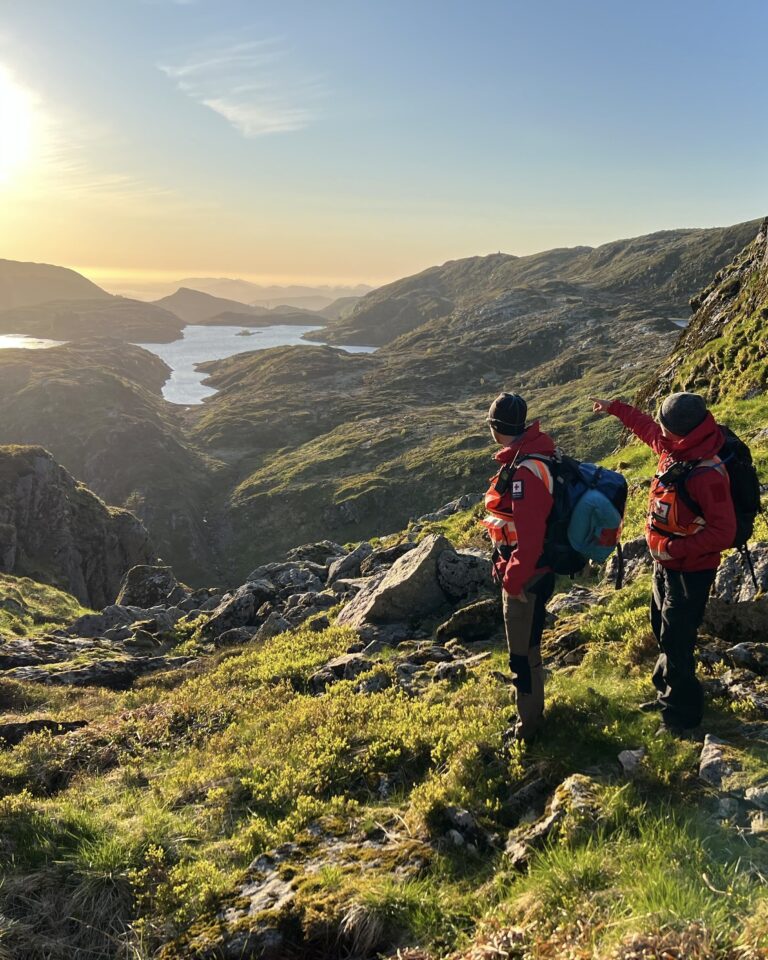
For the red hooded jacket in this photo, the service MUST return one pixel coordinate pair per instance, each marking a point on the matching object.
(709, 488)
(529, 509)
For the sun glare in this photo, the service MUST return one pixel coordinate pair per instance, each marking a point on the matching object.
(16, 126)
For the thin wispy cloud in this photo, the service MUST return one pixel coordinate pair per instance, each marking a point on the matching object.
(66, 168)
(252, 84)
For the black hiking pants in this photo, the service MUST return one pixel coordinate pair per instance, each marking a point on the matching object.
(524, 625)
(677, 609)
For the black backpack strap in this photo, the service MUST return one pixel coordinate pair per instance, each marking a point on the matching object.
(682, 488)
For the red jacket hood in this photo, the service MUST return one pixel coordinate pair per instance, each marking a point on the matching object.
(700, 444)
(532, 441)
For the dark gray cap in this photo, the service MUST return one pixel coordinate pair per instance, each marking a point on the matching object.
(507, 414)
(681, 413)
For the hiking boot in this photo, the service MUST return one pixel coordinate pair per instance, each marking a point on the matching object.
(651, 706)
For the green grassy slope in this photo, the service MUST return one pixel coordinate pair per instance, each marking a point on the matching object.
(140, 826)
(28, 608)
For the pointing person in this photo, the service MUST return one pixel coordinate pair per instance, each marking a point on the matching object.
(690, 521)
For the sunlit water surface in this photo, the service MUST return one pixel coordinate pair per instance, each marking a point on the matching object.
(200, 343)
(16, 341)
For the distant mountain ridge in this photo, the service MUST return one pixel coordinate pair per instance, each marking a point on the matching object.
(23, 284)
(307, 297)
(664, 269)
(197, 307)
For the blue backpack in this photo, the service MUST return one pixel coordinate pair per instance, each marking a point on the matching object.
(587, 514)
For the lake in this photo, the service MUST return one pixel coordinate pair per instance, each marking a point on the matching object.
(200, 343)
(197, 344)
(16, 341)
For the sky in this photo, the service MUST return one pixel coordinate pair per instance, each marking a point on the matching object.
(345, 141)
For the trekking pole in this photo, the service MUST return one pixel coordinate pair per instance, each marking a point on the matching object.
(619, 567)
(746, 557)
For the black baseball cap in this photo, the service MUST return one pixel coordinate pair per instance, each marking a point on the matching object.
(507, 414)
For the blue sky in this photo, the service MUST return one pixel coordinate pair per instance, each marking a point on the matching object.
(362, 140)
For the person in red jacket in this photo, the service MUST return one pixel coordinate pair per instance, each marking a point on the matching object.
(691, 520)
(519, 502)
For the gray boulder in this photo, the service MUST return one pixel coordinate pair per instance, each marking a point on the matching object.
(751, 656)
(449, 509)
(741, 622)
(145, 586)
(115, 674)
(410, 588)
(453, 672)
(349, 566)
(384, 557)
(272, 626)
(234, 637)
(294, 577)
(573, 809)
(637, 561)
(346, 667)
(713, 767)
(576, 600)
(758, 795)
(323, 553)
(476, 621)
(96, 624)
(239, 609)
(734, 584)
(463, 573)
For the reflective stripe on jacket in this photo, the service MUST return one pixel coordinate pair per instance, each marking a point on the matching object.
(500, 521)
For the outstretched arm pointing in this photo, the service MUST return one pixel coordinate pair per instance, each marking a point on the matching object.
(600, 406)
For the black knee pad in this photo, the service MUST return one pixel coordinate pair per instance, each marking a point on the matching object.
(521, 673)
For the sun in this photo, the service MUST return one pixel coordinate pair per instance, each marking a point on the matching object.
(16, 126)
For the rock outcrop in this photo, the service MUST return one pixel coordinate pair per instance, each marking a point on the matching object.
(410, 588)
(146, 585)
(53, 529)
(723, 348)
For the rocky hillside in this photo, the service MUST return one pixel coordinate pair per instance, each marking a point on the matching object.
(53, 529)
(76, 319)
(97, 406)
(651, 275)
(22, 284)
(724, 350)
